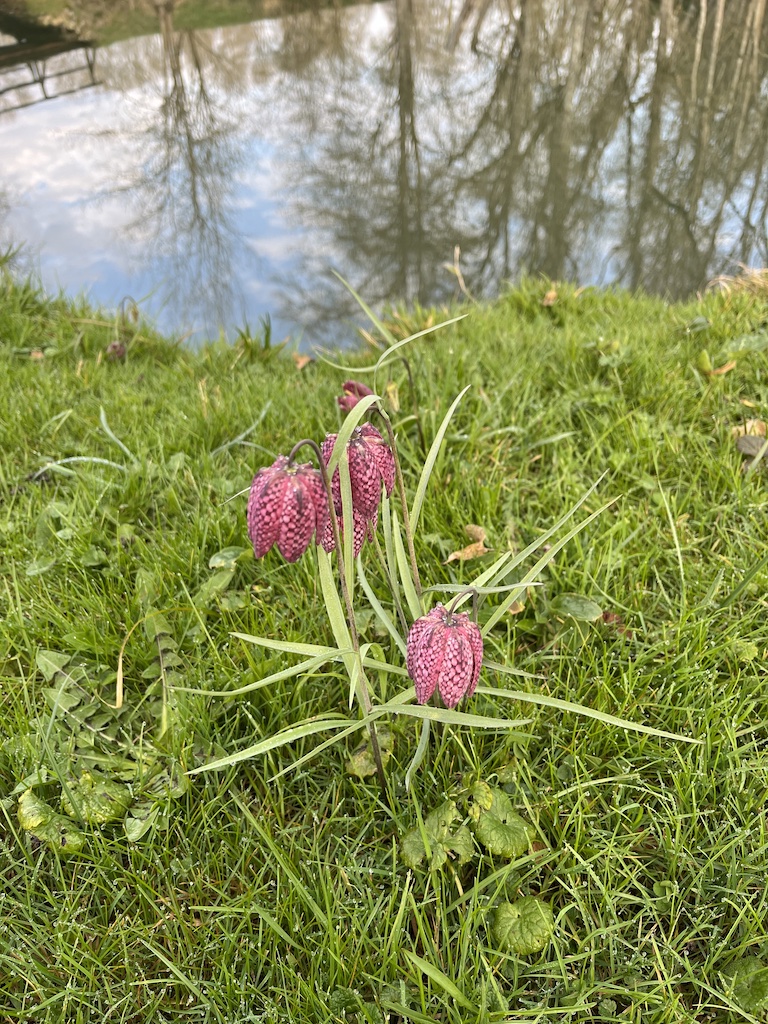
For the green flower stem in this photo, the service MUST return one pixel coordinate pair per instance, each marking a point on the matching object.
(403, 502)
(364, 692)
(390, 583)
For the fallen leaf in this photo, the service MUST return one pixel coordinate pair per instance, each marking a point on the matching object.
(748, 403)
(750, 445)
(475, 550)
(725, 368)
(752, 428)
(301, 361)
(36, 354)
(550, 298)
(516, 607)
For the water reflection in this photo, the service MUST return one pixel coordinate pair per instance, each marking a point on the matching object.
(610, 140)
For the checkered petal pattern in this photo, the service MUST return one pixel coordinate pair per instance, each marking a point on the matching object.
(286, 506)
(371, 464)
(444, 653)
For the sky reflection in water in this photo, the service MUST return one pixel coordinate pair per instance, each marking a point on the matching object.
(222, 175)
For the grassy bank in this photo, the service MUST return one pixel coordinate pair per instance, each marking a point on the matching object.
(237, 897)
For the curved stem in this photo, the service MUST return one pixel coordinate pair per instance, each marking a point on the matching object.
(365, 695)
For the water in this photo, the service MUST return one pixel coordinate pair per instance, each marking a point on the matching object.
(223, 175)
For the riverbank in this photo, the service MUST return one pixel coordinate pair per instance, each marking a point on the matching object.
(234, 894)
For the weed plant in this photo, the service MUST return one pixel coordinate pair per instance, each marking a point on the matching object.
(250, 895)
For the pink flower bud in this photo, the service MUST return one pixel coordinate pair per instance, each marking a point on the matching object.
(353, 392)
(444, 651)
(287, 504)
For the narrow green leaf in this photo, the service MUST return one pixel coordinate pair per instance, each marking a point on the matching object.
(451, 717)
(404, 569)
(532, 573)
(431, 459)
(581, 709)
(381, 614)
(304, 666)
(418, 757)
(280, 739)
(285, 645)
(441, 980)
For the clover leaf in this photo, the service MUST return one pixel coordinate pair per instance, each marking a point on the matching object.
(524, 926)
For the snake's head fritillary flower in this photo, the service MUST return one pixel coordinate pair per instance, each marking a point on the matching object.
(353, 392)
(287, 504)
(371, 463)
(444, 652)
(362, 529)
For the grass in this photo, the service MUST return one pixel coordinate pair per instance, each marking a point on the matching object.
(250, 899)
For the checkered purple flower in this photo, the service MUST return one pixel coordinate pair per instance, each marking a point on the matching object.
(286, 506)
(444, 652)
(371, 464)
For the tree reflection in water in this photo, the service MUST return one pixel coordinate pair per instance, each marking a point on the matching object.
(609, 140)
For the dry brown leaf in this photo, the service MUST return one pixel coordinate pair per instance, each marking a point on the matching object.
(752, 428)
(550, 298)
(748, 403)
(516, 607)
(476, 534)
(37, 354)
(301, 361)
(721, 370)
(393, 396)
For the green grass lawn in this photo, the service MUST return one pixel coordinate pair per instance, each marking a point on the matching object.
(234, 896)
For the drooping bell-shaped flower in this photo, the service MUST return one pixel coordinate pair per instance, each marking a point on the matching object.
(353, 392)
(444, 652)
(363, 529)
(371, 464)
(286, 506)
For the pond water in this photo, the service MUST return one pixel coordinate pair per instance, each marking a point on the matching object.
(222, 175)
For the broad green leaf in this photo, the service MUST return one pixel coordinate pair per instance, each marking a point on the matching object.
(40, 820)
(60, 699)
(140, 820)
(477, 798)
(749, 984)
(226, 558)
(212, 587)
(96, 800)
(523, 927)
(429, 464)
(500, 828)
(94, 557)
(575, 606)
(51, 662)
(441, 838)
(362, 762)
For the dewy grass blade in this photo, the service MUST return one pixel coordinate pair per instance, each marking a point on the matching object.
(442, 981)
(581, 709)
(280, 739)
(429, 465)
(545, 559)
(381, 614)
